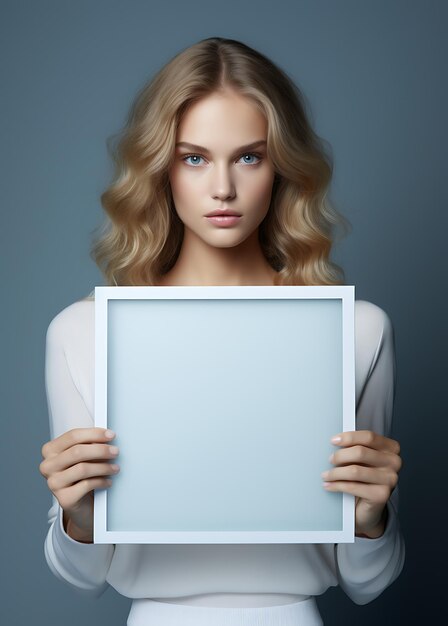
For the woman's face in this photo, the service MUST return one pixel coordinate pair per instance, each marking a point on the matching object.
(220, 169)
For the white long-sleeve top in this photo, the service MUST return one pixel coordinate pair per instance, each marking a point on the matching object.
(221, 575)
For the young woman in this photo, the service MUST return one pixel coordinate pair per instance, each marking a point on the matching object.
(220, 180)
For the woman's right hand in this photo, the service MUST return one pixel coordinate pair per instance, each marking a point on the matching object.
(74, 464)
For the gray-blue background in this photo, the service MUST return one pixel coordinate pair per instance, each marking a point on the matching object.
(374, 75)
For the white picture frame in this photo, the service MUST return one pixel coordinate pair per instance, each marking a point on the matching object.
(223, 400)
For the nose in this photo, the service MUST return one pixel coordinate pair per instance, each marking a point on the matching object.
(222, 182)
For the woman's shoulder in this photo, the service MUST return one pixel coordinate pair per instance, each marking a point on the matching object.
(371, 321)
(371, 314)
(73, 321)
(373, 331)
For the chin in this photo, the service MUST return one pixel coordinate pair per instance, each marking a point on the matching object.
(231, 242)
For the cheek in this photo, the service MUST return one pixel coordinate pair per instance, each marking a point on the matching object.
(181, 189)
(260, 191)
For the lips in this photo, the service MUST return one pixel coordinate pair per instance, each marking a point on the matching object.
(224, 221)
(219, 213)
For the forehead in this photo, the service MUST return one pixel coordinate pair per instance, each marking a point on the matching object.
(222, 118)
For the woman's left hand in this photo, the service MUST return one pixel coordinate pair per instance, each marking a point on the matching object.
(367, 466)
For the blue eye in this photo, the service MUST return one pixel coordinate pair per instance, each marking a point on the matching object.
(250, 154)
(197, 158)
(192, 156)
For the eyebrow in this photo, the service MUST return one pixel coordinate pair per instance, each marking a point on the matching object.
(192, 146)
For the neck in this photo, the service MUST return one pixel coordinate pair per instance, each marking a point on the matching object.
(203, 265)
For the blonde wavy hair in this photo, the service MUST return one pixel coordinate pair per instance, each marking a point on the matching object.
(142, 236)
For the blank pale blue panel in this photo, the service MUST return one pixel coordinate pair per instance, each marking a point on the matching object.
(223, 411)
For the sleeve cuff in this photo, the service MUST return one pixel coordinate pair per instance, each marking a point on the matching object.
(83, 565)
(367, 566)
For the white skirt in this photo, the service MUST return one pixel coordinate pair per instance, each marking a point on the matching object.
(145, 612)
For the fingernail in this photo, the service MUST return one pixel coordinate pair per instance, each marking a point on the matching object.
(326, 485)
(113, 450)
(331, 457)
(336, 439)
(109, 434)
(325, 474)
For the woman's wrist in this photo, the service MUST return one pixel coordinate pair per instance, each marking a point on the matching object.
(78, 534)
(378, 530)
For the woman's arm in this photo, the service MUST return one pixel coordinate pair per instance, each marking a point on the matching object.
(83, 566)
(366, 567)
